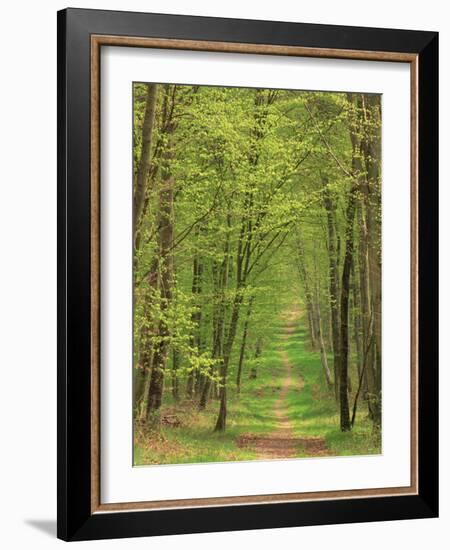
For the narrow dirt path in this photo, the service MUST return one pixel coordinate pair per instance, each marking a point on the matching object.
(282, 442)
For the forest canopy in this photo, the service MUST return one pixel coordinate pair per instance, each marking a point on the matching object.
(257, 273)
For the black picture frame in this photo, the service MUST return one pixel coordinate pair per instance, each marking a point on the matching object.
(75, 518)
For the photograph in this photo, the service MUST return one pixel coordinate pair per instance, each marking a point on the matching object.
(223, 315)
(247, 274)
(257, 269)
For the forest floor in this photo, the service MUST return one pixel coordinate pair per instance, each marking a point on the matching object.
(282, 442)
(286, 412)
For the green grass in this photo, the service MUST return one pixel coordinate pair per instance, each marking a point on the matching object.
(195, 440)
(312, 410)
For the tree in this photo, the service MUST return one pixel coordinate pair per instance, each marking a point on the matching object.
(241, 195)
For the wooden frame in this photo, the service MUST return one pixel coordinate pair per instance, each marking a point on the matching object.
(81, 34)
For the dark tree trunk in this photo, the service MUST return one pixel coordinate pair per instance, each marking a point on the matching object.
(334, 284)
(166, 275)
(142, 378)
(308, 294)
(175, 379)
(242, 266)
(220, 278)
(357, 331)
(222, 417)
(356, 135)
(371, 198)
(196, 318)
(345, 286)
(146, 341)
(370, 260)
(258, 350)
(140, 186)
(366, 313)
(243, 345)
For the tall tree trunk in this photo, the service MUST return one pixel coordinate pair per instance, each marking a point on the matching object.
(330, 207)
(243, 345)
(142, 377)
(318, 323)
(196, 317)
(323, 352)
(165, 267)
(371, 198)
(175, 379)
(146, 342)
(258, 351)
(140, 186)
(366, 313)
(345, 286)
(166, 277)
(359, 132)
(313, 322)
(356, 173)
(303, 274)
(222, 417)
(357, 330)
(220, 278)
(243, 254)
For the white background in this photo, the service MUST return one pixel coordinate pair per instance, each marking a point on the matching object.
(28, 275)
(119, 481)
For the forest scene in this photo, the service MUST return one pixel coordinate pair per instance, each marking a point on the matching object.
(257, 274)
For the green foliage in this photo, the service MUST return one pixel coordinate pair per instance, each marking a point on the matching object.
(310, 406)
(239, 179)
(313, 408)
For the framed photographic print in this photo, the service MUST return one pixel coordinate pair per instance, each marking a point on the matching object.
(247, 274)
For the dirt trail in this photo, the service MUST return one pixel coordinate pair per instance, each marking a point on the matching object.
(282, 443)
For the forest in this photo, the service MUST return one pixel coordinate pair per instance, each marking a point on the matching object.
(256, 273)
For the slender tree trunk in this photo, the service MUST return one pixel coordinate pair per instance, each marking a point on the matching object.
(334, 284)
(220, 277)
(323, 352)
(357, 330)
(140, 185)
(318, 323)
(357, 173)
(175, 379)
(148, 333)
(367, 316)
(190, 384)
(166, 270)
(243, 344)
(222, 417)
(196, 318)
(307, 291)
(371, 198)
(344, 340)
(242, 266)
(166, 276)
(142, 378)
(258, 351)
